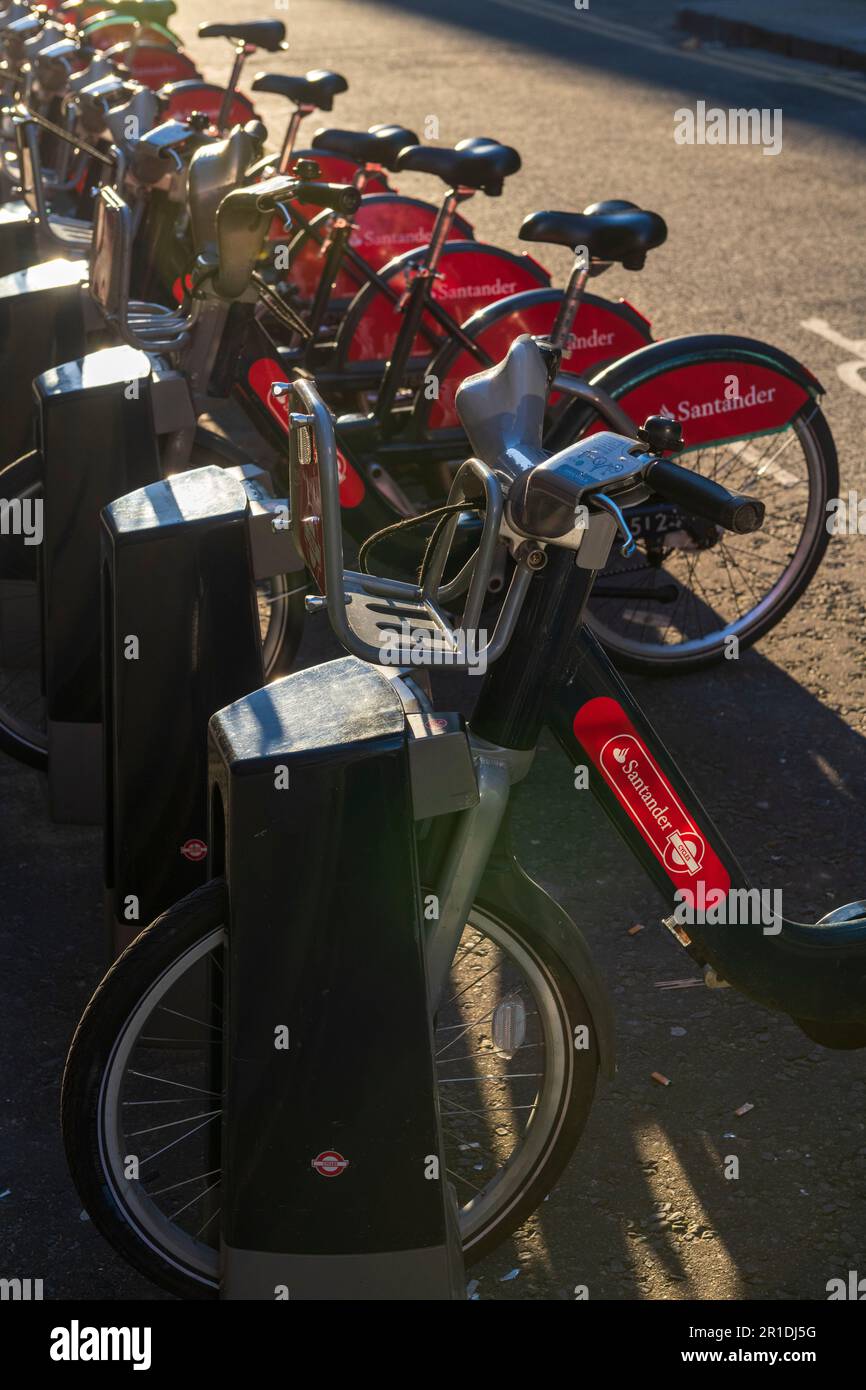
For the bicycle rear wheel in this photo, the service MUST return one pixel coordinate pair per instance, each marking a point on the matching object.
(143, 1077)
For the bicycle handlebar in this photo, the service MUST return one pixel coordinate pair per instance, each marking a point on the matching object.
(244, 216)
(707, 499)
(342, 198)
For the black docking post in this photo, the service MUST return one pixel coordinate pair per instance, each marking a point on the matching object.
(97, 440)
(334, 1181)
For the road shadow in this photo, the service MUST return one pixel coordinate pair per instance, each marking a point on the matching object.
(651, 1205)
(659, 59)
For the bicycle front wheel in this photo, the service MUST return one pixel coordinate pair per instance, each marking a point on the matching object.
(692, 593)
(143, 1077)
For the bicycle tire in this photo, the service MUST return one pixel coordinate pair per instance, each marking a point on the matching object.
(175, 937)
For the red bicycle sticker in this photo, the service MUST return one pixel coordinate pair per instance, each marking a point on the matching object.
(647, 797)
(329, 1164)
(262, 375)
(194, 850)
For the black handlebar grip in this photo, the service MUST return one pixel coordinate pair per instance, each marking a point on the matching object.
(342, 197)
(705, 498)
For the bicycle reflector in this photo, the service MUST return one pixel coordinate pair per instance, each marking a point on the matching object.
(391, 622)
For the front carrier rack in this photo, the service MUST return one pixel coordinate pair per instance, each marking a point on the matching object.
(391, 622)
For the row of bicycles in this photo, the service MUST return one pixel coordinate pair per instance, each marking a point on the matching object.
(347, 1045)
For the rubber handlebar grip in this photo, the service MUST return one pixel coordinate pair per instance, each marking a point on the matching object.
(707, 499)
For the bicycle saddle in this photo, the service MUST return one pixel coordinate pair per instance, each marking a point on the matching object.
(502, 408)
(614, 230)
(316, 88)
(477, 163)
(381, 144)
(214, 171)
(269, 34)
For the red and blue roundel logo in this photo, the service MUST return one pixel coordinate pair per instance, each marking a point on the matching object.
(329, 1164)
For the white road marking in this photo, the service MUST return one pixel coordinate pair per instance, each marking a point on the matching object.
(824, 330)
(847, 372)
(626, 33)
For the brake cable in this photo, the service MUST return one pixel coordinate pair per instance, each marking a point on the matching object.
(281, 310)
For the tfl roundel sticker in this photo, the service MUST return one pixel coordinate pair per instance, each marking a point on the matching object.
(647, 797)
(329, 1164)
(194, 850)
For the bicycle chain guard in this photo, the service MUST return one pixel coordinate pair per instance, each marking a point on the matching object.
(391, 622)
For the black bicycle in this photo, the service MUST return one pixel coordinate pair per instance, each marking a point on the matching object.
(521, 1019)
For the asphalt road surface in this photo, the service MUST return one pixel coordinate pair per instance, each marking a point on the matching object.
(773, 742)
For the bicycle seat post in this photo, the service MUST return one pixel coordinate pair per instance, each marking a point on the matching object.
(301, 110)
(570, 305)
(242, 52)
(414, 300)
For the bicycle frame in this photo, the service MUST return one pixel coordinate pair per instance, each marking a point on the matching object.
(555, 673)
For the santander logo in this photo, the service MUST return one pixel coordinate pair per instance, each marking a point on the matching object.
(637, 779)
(647, 797)
(365, 236)
(497, 290)
(721, 405)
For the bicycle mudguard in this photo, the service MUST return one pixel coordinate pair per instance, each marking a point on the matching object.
(470, 275)
(338, 168)
(385, 225)
(507, 887)
(153, 64)
(108, 30)
(604, 330)
(194, 94)
(42, 323)
(719, 386)
(179, 641)
(815, 973)
(334, 1181)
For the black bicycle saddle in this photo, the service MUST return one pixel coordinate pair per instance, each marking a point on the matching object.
(476, 163)
(269, 34)
(316, 88)
(614, 230)
(381, 144)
